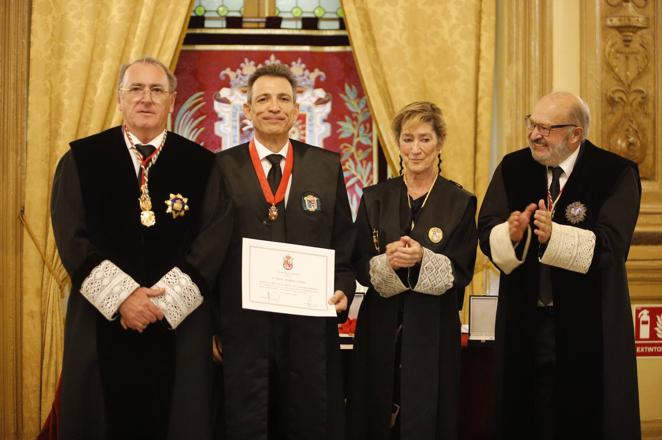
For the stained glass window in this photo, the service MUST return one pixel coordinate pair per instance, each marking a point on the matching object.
(327, 11)
(218, 8)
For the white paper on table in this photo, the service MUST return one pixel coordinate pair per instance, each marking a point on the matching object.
(287, 278)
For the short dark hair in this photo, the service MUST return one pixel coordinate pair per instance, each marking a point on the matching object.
(172, 79)
(420, 111)
(276, 69)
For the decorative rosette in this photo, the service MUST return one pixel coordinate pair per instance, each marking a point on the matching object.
(575, 212)
(177, 205)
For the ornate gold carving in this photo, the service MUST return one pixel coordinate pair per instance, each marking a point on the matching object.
(628, 127)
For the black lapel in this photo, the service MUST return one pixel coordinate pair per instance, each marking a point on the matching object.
(247, 183)
(442, 210)
(394, 216)
(576, 178)
(123, 155)
(297, 179)
(578, 188)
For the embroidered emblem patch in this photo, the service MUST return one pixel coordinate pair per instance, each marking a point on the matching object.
(575, 212)
(311, 203)
(288, 262)
(435, 234)
(177, 205)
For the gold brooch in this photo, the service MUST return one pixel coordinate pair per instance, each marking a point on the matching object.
(435, 234)
(177, 205)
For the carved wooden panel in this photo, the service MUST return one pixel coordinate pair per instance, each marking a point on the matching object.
(629, 75)
(621, 64)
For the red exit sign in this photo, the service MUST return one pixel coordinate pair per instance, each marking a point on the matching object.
(648, 330)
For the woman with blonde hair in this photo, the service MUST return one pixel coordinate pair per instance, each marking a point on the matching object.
(415, 250)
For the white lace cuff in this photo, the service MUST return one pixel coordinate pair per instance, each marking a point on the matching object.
(569, 248)
(106, 287)
(502, 250)
(436, 274)
(383, 278)
(181, 296)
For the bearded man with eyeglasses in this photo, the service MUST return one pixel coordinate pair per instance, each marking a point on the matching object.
(126, 211)
(557, 220)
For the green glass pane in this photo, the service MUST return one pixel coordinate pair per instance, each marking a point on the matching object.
(222, 10)
(297, 11)
(199, 10)
(340, 12)
(319, 11)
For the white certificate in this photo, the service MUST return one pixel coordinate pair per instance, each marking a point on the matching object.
(287, 278)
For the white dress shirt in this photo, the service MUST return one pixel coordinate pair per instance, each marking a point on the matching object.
(567, 166)
(154, 142)
(263, 152)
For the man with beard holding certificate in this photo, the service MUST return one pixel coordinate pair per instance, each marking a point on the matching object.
(557, 220)
(282, 373)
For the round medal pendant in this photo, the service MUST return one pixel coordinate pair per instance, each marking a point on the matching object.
(273, 213)
(435, 234)
(147, 218)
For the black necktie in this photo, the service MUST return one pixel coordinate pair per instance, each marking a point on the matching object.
(545, 287)
(555, 187)
(275, 172)
(145, 150)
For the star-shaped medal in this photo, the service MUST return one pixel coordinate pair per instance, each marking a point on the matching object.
(177, 205)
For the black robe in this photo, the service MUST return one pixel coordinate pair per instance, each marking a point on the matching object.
(315, 388)
(596, 384)
(430, 354)
(155, 384)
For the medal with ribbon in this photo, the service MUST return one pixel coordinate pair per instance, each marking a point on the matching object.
(147, 217)
(271, 198)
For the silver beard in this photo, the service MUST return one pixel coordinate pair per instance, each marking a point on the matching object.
(557, 153)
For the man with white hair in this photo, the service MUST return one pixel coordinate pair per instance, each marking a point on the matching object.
(127, 214)
(557, 220)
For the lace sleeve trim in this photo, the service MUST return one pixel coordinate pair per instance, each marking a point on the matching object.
(106, 287)
(182, 296)
(569, 248)
(502, 250)
(383, 278)
(436, 275)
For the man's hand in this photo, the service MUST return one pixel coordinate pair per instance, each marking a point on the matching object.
(543, 222)
(137, 311)
(519, 221)
(339, 299)
(405, 252)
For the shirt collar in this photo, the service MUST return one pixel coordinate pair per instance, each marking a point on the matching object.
(154, 142)
(569, 163)
(263, 151)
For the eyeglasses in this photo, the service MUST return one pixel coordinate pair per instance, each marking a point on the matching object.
(137, 91)
(543, 129)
